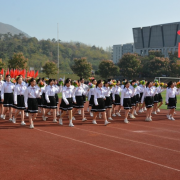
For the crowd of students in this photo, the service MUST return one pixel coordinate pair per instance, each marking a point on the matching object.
(106, 101)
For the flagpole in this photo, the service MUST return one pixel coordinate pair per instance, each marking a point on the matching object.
(58, 46)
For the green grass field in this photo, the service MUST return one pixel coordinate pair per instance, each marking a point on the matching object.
(164, 98)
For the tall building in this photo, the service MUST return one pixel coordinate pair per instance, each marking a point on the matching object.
(120, 50)
(161, 37)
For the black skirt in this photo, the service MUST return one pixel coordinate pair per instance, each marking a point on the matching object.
(100, 107)
(137, 98)
(133, 101)
(141, 95)
(8, 100)
(160, 97)
(44, 102)
(52, 104)
(65, 107)
(156, 98)
(57, 98)
(84, 98)
(32, 105)
(108, 102)
(127, 103)
(91, 102)
(149, 102)
(117, 99)
(40, 101)
(0, 98)
(172, 103)
(79, 102)
(20, 103)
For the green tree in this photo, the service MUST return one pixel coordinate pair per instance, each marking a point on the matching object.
(82, 67)
(108, 69)
(18, 61)
(130, 65)
(50, 68)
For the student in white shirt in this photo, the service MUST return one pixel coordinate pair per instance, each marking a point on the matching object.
(19, 105)
(79, 100)
(1, 103)
(99, 102)
(50, 93)
(56, 96)
(171, 99)
(148, 97)
(30, 100)
(126, 96)
(7, 97)
(116, 99)
(67, 101)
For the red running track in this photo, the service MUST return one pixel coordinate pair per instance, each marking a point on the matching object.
(136, 151)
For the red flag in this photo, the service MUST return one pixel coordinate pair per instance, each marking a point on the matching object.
(12, 73)
(7, 72)
(36, 75)
(23, 73)
(2, 71)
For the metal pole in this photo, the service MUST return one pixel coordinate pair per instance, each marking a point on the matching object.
(58, 47)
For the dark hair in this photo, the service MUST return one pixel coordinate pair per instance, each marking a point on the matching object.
(117, 80)
(18, 79)
(67, 81)
(133, 81)
(148, 83)
(93, 80)
(98, 82)
(8, 75)
(169, 84)
(43, 79)
(39, 80)
(109, 80)
(81, 78)
(50, 80)
(125, 83)
(31, 80)
(105, 82)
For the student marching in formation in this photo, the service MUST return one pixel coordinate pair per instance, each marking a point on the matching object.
(40, 96)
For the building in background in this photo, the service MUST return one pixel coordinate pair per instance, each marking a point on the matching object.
(161, 37)
(120, 50)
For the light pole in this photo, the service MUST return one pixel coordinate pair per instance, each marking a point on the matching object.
(58, 47)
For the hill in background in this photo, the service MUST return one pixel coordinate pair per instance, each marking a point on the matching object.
(5, 28)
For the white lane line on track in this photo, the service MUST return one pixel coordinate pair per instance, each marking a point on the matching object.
(128, 140)
(154, 127)
(145, 133)
(111, 150)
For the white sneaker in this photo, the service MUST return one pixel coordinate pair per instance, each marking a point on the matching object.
(71, 124)
(57, 114)
(91, 114)
(158, 110)
(140, 111)
(73, 118)
(145, 109)
(94, 122)
(172, 119)
(11, 119)
(54, 121)
(106, 123)
(14, 120)
(60, 122)
(44, 118)
(87, 109)
(131, 116)
(169, 117)
(126, 121)
(23, 123)
(100, 116)
(136, 114)
(1, 116)
(150, 119)
(4, 117)
(147, 120)
(84, 119)
(174, 112)
(154, 112)
(49, 113)
(114, 115)
(110, 118)
(27, 115)
(118, 113)
(31, 126)
(79, 111)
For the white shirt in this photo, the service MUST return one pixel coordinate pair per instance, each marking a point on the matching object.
(148, 92)
(171, 93)
(1, 84)
(79, 91)
(107, 91)
(91, 93)
(31, 92)
(67, 92)
(98, 93)
(19, 90)
(7, 87)
(126, 93)
(116, 90)
(84, 86)
(51, 91)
